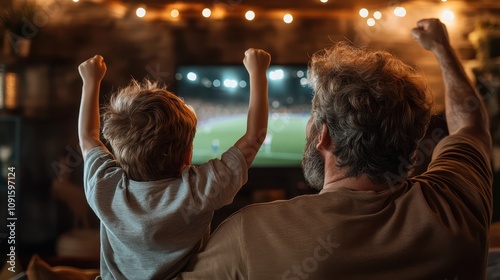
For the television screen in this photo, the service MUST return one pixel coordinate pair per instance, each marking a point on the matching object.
(219, 94)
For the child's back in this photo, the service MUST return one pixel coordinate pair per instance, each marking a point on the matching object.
(155, 207)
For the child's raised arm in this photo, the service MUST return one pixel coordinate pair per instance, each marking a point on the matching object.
(92, 72)
(256, 62)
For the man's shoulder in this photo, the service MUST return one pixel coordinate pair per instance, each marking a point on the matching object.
(273, 209)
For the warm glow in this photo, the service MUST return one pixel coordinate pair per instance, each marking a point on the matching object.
(11, 90)
(363, 12)
(323, 1)
(250, 15)
(370, 22)
(377, 15)
(75, 1)
(443, 0)
(2, 91)
(174, 13)
(400, 12)
(206, 12)
(447, 16)
(288, 18)
(140, 12)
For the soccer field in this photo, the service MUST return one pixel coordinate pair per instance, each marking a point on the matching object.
(284, 144)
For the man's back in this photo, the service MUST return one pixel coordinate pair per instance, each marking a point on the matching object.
(368, 112)
(430, 227)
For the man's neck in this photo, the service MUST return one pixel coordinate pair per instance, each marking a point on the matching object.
(361, 183)
(337, 178)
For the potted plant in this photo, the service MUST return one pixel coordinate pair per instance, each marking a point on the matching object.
(19, 28)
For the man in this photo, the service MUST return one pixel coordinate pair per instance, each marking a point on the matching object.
(370, 221)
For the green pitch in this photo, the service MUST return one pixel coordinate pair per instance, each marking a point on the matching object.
(284, 144)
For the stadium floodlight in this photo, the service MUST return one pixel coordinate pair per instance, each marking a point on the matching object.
(276, 74)
(191, 76)
(304, 82)
(206, 82)
(229, 83)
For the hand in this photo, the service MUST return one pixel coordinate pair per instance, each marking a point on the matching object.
(431, 33)
(256, 61)
(93, 69)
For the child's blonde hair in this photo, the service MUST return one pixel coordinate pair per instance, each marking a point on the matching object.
(150, 130)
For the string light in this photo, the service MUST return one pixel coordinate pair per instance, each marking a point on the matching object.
(399, 12)
(140, 12)
(287, 18)
(447, 16)
(363, 13)
(249, 15)
(377, 15)
(206, 12)
(174, 13)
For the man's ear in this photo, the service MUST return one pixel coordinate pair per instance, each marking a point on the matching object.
(324, 140)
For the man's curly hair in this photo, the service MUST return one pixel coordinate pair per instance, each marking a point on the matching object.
(376, 109)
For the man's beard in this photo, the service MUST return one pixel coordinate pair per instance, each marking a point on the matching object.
(313, 165)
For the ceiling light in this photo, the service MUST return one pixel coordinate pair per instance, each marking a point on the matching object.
(249, 15)
(370, 22)
(140, 12)
(206, 12)
(174, 13)
(399, 12)
(363, 12)
(447, 16)
(377, 15)
(287, 18)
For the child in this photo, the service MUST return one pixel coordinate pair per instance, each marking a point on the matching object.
(155, 207)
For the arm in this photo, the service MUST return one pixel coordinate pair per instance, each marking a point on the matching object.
(256, 62)
(465, 112)
(92, 72)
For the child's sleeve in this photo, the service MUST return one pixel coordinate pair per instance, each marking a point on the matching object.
(215, 183)
(101, 176)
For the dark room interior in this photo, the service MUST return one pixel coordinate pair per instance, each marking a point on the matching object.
(173, 42)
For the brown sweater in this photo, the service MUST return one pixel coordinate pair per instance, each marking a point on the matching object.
(433, 226)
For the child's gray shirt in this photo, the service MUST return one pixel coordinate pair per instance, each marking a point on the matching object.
(149, 230)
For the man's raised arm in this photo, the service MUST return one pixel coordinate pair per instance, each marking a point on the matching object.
(465, 111)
